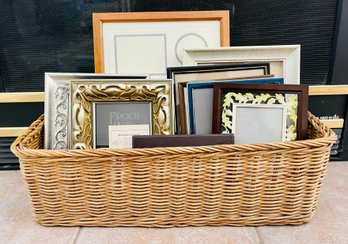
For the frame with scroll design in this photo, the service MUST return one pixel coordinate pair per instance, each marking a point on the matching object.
(56, 97)
(86, 93)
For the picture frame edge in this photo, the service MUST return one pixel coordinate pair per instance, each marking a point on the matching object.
(189, 60)
(75, 82)
(98, 19)
(302, 91)
(53, 81)
(182, 108)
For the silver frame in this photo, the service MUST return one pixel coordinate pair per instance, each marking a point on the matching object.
(57, 96)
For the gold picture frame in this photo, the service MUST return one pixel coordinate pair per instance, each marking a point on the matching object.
(85, 93)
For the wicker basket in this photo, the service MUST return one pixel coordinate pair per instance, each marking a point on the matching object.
(237, 185)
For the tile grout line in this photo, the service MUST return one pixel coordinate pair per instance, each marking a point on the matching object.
(258, 235)
(76, 235)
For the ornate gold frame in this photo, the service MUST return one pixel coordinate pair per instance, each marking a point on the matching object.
(85, 93)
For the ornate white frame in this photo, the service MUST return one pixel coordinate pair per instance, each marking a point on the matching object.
(57, 94)
(289, 54)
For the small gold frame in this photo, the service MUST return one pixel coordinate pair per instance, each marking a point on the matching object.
(86, 93)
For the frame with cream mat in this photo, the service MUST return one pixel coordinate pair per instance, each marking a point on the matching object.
(149, 42)
(287, 55)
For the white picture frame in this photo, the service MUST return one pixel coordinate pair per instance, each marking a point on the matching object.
(149, 42)
(289, 55)
(248, 127)
(57, 94)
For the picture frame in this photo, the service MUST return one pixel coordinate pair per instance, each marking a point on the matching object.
(208, 73)
(163, 35)
(85, 93)
(289, 55)
(203, 109)
(182, 114)
(215, 72)
(321, 99)
(268, 123)
(276, 66)
(329, 104)
(295, 97)
(126, 118)
(56, 109)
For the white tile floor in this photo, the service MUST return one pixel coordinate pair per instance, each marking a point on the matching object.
(329, 224)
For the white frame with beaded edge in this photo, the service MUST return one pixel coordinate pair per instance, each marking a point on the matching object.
(290, 55)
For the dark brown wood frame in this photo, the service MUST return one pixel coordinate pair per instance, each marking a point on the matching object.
(182, 108)
(300, 90)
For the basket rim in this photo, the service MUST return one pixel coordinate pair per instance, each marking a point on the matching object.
(21, 151)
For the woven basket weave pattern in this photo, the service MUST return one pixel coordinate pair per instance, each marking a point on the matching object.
(237, 185)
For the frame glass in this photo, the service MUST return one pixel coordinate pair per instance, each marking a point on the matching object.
(118, 113)
(85, 93)
(261, 123)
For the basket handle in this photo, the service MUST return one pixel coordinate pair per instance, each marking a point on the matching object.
(33, 131)
(327, 133)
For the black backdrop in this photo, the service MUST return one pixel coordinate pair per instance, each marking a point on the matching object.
(38, 36)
